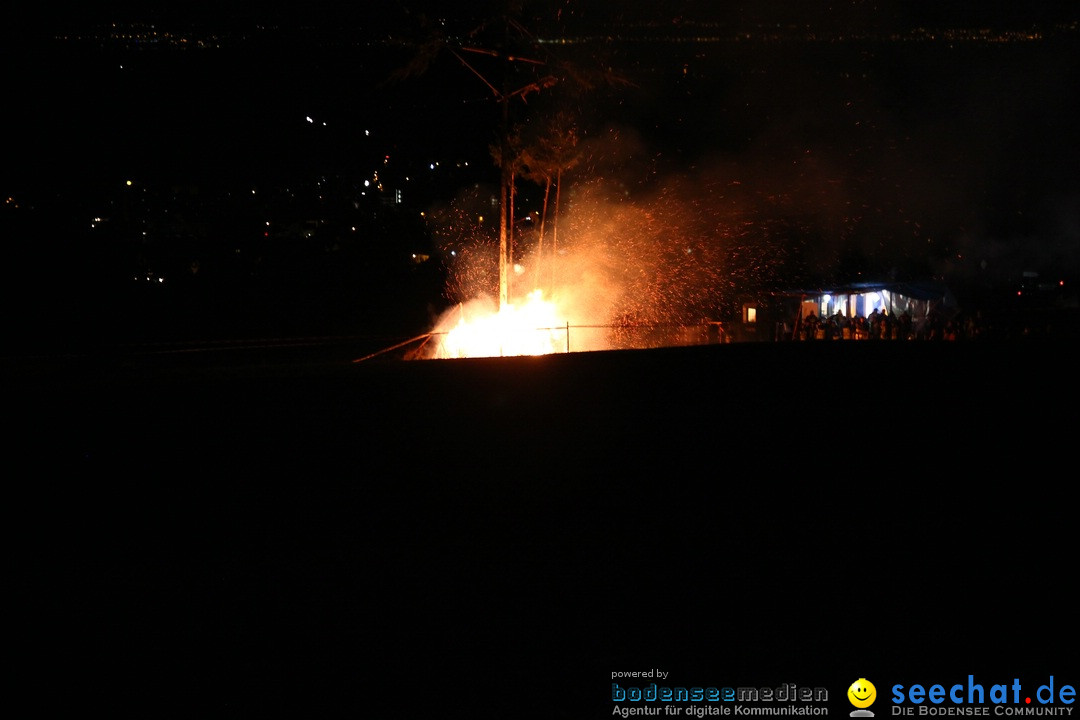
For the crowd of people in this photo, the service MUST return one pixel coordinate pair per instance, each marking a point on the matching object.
(881, 325)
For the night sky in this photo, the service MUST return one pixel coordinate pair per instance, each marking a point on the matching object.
(328, 13)
(953, 153)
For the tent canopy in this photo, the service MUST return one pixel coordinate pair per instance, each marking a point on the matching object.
(916, 290)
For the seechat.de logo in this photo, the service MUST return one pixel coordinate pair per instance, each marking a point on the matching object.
(1052, 697)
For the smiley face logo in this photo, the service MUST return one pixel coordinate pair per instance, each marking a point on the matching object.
(862, 693)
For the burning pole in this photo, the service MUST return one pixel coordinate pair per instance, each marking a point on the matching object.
(506, 205)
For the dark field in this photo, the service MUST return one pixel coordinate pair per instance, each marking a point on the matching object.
(284, 532)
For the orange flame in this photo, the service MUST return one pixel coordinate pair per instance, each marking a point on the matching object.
(534, 327)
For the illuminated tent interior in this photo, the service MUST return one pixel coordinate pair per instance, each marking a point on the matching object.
(919, 299)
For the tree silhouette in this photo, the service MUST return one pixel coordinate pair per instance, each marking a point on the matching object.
(510, 61)
(544, 159)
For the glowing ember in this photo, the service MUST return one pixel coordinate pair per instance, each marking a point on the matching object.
(533, 328)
